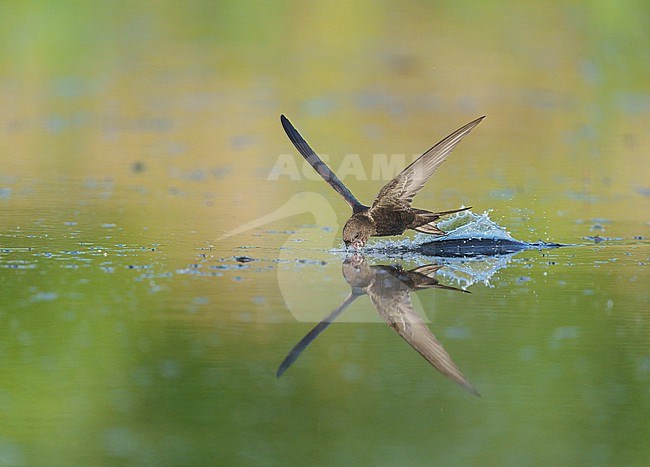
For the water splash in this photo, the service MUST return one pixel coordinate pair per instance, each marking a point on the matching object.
(468, 224)
(469, 234)
(466, 272)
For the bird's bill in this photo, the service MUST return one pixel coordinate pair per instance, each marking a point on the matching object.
(355, 244)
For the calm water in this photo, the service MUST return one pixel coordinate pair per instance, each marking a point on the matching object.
(162, 247)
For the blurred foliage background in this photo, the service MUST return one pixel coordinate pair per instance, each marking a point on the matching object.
(194, 89)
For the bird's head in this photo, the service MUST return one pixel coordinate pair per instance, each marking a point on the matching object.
(356, 231)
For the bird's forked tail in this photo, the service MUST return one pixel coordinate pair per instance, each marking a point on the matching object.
(430, 227)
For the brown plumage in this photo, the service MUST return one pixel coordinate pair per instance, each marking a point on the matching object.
(391, 212)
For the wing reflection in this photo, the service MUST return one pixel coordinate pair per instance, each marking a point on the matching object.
(389, 289)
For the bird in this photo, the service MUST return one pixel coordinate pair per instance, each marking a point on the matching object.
(391, 212)
(389, 288)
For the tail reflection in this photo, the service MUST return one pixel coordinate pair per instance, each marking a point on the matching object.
(389, 289)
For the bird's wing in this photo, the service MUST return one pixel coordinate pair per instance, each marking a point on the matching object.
(401, 190)
(313, 334)
(320, 166)
(398, 312)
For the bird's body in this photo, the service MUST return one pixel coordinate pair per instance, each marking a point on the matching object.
(391, 212)
(391, 222)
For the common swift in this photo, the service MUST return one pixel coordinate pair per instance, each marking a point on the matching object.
(391, 212)
(389, 289)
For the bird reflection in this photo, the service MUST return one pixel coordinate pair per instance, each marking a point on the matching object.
(389, 289)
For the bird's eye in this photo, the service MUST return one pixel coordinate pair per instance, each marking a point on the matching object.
(356, 235)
